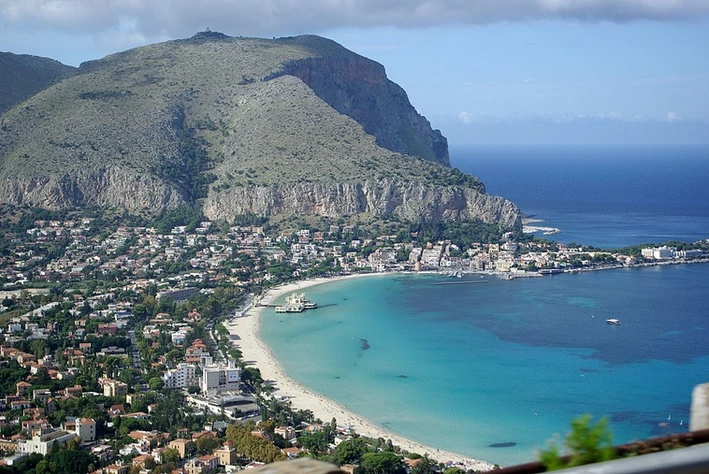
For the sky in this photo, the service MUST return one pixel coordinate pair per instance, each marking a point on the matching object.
(492, 72)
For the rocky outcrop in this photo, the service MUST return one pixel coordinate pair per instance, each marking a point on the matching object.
(409, 201)
(111, 188)
(359, 88)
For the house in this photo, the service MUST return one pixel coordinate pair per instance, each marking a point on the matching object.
(116, 410)
(115, 388)
(107, 328)
(86, 430)
(291, 452)
(36, 425)
(103, 452)
(112, 350)
(209, 463)
(41, 395)
(115, 469)
(140, 461)
(183, 446)
(287, 432)
(22, 388)
(226, 455)
(75, 391)
(20, 404)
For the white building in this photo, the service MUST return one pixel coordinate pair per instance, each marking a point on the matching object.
(659, 253)
(44, 443)
(216, 378)
(86, 430)
(182, 376)
(178, 337)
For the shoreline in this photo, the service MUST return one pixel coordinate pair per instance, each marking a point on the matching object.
(257, 354)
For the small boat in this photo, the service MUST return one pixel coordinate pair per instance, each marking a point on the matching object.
(613, 322)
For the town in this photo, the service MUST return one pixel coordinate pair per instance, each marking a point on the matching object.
(115, 358)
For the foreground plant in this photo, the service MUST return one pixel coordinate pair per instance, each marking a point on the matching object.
(587, 443)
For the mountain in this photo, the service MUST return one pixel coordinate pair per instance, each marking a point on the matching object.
(22, 76)
(290, 126)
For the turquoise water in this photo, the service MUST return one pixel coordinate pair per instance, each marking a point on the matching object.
(465, 366)
(462, 367)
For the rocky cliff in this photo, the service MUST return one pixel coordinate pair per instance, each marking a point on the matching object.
(405, 200)
(359, 88)
(293, 126)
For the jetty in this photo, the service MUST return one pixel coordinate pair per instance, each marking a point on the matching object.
(464, 282)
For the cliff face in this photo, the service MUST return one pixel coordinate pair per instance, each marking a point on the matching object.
(359, 88)
(111, 188)
(293, 126)
(408, 201)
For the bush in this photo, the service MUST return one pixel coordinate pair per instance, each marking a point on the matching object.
(587, 443)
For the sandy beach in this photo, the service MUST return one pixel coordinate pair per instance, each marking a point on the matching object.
(258, 354)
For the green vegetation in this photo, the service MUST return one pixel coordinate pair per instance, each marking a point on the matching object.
(252, 447)
(186, 168)
(22, 75)
(587, 443)
(460, 233)
(188, 216)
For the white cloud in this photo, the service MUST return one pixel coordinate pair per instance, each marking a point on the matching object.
(671, 116)
(154, 19)
(466, 117)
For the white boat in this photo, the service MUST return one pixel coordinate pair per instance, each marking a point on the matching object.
(613, 322)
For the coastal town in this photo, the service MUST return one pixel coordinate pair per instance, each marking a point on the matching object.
(123, 347)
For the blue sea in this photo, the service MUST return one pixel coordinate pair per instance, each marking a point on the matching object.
(608, 197)
(487, 362)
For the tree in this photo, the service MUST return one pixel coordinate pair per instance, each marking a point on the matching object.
(171, 455)
(207, 444)
(428, 466)
(454, 470)
(385, 462)
(72, 461)
(316, 443)
(251, 377)
(351, 451)
(168, 413)
(156, 383)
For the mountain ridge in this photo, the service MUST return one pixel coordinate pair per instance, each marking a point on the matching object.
(216, 121)
(23, 75)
